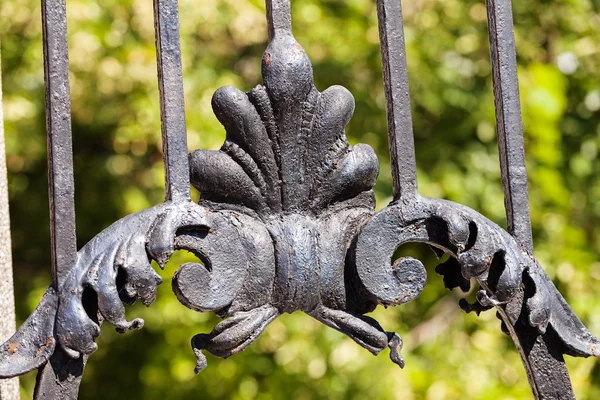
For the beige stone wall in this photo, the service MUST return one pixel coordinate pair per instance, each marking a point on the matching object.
(9, 389)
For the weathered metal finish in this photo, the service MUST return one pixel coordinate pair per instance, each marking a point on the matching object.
(70, 315)
(286, 220)
(299, 194)
(552, 381)
(58, 380)
(510, 280)
(524, 296)
(508, 121)
(395, 73)
(61, 184)
(60, 377)
(279, 17)
(172, 109)
(9, 389)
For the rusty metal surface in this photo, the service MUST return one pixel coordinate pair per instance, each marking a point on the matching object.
(286, 220)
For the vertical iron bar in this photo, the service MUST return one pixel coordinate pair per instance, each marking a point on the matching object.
(172, 108)
(545, 366)
(508, 121)
(9, 388)
(395, 77)
(279, 17)
(61, 185)
(59, 379)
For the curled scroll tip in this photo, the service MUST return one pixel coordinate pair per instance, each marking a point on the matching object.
(198, 343)
(395, 344)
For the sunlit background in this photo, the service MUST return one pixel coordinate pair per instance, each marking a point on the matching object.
(116, 129)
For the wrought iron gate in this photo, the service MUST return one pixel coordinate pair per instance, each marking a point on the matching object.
(286, 221)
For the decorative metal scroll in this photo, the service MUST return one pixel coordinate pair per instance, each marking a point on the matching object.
(286, 221)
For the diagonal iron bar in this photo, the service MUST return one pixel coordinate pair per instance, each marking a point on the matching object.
(172, 108)
(395, 77)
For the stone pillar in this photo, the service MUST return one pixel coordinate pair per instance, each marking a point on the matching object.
(9, 388)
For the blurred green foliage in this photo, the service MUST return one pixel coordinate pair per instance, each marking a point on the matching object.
(116, 128)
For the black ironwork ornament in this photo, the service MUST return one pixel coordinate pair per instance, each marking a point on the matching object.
(286, 219)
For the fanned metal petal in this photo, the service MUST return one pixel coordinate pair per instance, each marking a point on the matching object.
(245, 127)
(219, 178)
(354, 174)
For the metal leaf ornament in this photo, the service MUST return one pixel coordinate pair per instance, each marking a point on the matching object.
(299, 194)
(286, 222)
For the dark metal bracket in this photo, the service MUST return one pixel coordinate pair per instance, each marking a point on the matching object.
(286, 221)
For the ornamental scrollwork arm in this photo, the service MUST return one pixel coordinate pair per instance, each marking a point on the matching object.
(511, 280)
(114, 268)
